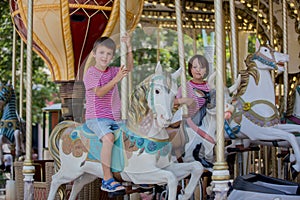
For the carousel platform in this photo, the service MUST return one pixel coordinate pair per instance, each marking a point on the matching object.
(257, 186)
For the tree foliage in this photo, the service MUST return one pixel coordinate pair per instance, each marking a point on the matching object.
(43, 90)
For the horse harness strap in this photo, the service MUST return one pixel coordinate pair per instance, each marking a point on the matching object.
(10, 124)
(203, 134)
(265, 60)
(245, 108)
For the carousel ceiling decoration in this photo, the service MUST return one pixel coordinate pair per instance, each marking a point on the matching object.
(251, 15)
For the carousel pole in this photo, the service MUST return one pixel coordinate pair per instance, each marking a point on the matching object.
(28, 168)
(158, 44)
(285, 51)
(181, 54)
(21, 79)
(14, 59)
(220, 174)
(234, 60)
(124, 82)
(275, 162)
(10, 187)
(123, 52)
(233, 40)
(195, 41)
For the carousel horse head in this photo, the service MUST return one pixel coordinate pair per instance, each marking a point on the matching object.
(154, 98)
(268, 58)
(6, 92)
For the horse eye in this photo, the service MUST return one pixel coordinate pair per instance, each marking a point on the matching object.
(156, 91)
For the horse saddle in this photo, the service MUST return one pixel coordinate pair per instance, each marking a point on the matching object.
(84, 139)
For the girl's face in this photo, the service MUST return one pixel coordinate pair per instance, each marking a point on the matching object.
(103, 56)
(198, 70)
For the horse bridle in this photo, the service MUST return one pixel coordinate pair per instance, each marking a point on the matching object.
(264, 59)
(151, 87)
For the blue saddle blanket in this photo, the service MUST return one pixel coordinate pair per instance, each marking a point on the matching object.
(95, 147)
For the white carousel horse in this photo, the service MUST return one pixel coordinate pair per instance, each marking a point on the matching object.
(142, 143)
(256, 112)
(12, 128)
(296, 110)
(201, 128)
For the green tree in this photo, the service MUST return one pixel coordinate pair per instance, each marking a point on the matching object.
(43, 90)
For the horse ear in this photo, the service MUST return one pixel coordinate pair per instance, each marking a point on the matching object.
(257, 44)
(176, 74)
(211, 80)
(8, 82)
(158, 69)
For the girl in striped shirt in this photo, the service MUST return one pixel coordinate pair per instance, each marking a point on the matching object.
(198, 69)
(103, 105)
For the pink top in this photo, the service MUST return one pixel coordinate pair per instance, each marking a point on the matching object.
(108, 106)
(191, 94)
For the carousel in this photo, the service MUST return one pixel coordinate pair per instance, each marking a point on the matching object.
(244, 143)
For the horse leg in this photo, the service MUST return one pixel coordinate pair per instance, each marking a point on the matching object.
(182, 170)
(272, 134)
(157, 176)
(80, 183)
(61, 177)
(288, 127)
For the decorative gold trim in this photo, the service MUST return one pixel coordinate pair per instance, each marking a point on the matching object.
(40, 44)
(220, 178)
(56, 75)
(65, 17)
(95, 7)
(28, 171)
(113, 18)
(220, 166)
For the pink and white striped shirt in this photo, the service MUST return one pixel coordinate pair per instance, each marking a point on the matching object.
(191, 94)
(108, 106)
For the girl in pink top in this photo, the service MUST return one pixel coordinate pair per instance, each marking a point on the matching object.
(198, 69)
(103, 105)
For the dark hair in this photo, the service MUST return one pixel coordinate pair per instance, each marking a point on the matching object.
(202, 61)
(105, 41)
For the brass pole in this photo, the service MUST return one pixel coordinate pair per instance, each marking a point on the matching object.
(220, 175)
(21, 79)
(14, 59)
(28, 168)
(234, 40)
(181, 53)
(273, 149)
(124, 82)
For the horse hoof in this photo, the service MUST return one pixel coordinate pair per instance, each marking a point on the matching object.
(294, 173)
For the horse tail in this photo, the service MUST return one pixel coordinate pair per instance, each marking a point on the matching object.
(55, 136)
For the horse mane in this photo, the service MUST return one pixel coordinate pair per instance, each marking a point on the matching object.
(138, 103)
(245, 75)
